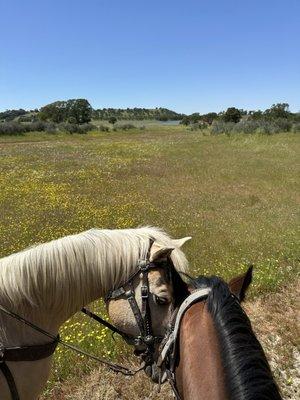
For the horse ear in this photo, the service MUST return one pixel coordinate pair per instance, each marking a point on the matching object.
(159, 252)
(239, 285)
(180, 242)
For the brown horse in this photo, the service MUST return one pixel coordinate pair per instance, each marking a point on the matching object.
(219, 356)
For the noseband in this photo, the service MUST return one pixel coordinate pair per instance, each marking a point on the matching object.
(143, 315)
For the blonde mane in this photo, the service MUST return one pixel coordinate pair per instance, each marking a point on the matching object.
(74, 270)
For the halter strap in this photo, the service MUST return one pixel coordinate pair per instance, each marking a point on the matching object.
(170, 345)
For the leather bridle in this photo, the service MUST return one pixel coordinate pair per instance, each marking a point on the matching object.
(143, 315)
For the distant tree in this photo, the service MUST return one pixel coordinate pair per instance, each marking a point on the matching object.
(79, 109)
(185, 120)
(194, 118)
(209, 117)
(232, 114)
(255, 115)
(10, 115)
(279, 110)
(75, 111)
(55, 112)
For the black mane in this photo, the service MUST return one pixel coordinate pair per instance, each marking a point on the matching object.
(247, 372)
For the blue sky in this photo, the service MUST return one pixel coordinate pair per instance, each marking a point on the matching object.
(190, 56)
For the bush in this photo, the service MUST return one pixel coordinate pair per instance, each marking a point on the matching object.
(198, 126)
(85, 128)
(16, 128)
(76, 128)
(124, 127)
(262, 126)
(296, 127)
(11, 128)
(103, 128)
(51, 127)
(38, 126)
(221, 127)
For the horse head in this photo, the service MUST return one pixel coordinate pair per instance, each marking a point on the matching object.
(143, 307)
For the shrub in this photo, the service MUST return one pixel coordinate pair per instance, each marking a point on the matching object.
(296, 127)
(51, 127)
(197, 126)
(263, 126)
(38, 126)
(85, 128)
(76, 128)
(247, 127)
(124, 127)
(103, 128)
(185, 121)
(12, 128)
(221, 127)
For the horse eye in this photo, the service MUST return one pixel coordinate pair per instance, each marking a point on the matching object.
(161, 301)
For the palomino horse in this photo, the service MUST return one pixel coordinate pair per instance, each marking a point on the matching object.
(48, 283)
(219, 356)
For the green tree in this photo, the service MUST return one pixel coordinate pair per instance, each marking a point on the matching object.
(79, 110)
(256, 115)
(279, 110)
(209, 117)
(55, 112)
(232, 114)
(185, 120)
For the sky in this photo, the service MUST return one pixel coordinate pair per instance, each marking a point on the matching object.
(189, 56)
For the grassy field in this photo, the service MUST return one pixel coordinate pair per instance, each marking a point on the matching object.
(237, 196)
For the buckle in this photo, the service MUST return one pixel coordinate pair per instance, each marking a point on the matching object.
(143, 265)
(144, 292)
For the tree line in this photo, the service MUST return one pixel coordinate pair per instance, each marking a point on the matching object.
(138, 114)
(79, 111)
(235, 115)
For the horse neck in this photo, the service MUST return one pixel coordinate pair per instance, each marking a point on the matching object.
(60, 289)
(199, 374)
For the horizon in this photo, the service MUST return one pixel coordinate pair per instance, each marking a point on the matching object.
(187, 58)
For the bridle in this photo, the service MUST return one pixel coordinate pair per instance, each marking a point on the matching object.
(142, 317)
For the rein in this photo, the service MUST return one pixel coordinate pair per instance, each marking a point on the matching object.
(38, 352)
